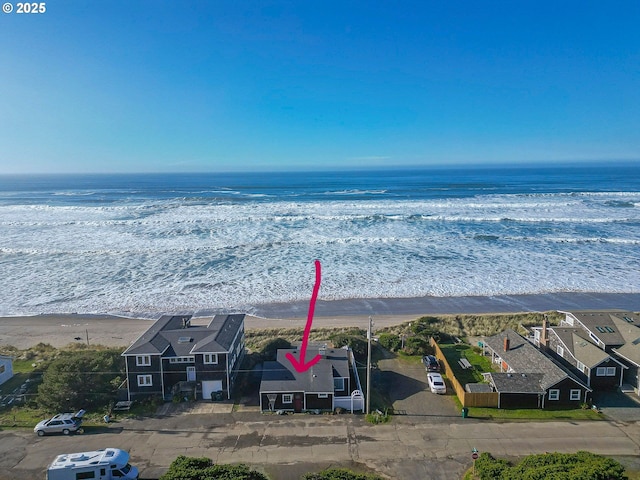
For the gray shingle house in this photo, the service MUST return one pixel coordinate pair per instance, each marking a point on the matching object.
(616, 332)
(528, 378)
(571, 346)
(173, 354)
(328, 384)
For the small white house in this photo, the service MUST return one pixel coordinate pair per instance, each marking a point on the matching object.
(6, 368)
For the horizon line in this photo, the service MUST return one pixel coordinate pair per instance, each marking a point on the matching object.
(351, 168)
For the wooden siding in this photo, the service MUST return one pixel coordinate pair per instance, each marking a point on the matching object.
(606, 382)
(519, 400)
(279, 405)
(315, 403)
(565, 386)
(135, 370)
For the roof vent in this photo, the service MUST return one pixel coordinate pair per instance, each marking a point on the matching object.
(184, 340)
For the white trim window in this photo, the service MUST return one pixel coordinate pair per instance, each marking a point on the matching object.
(601, 372)
(145, 380)
(182, 360)
(338, 383)
(287, 398)
(143, 360)
(560, 351)
(575, 394)
(210, 358)
(611, 371)
(554, 394)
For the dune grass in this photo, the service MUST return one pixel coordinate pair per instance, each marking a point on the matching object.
(464, 326)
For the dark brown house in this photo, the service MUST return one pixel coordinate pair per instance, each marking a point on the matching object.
(173, 354)
(332, 382)
(572, 347)
(617, 332)
(528, 378)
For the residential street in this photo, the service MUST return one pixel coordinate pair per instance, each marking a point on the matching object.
(287, 446)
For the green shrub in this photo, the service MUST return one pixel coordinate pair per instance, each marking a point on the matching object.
(378, 417)
(390, 341)
(270, 350)
(190, 468)
(417, 346)
(551, 466)
(81, 379)
(357, 343)
(340, 474)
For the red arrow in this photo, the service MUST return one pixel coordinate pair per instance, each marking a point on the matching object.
(301, 365)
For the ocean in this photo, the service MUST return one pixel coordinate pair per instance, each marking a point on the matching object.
(141, 245)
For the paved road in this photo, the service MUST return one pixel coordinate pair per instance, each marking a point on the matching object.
(286, 446)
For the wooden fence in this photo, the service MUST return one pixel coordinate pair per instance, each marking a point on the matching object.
(488, 399)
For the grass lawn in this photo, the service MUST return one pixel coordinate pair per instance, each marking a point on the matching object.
(480, 363)
(409, 359)
(534, 414)
(21, 417)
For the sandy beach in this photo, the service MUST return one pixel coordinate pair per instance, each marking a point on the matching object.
(62, 329)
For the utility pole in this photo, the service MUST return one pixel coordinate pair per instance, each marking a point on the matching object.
(369, 365)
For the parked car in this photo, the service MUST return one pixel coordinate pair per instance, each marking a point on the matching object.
(431, 363)
(436, 383)
(64, 423)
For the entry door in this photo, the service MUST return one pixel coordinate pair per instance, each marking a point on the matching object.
(297, 402)
(191, 374)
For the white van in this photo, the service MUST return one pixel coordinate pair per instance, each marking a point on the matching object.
(107, 464)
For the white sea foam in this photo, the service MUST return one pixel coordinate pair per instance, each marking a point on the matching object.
(179, 254)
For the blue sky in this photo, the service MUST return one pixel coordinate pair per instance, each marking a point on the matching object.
(161, 86)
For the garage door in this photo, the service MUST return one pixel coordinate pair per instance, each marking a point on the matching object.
(209, 386)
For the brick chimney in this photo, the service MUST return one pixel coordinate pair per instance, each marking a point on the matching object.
(506, 344)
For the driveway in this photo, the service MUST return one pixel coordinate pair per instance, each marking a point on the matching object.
(618, 406)
(408, 390)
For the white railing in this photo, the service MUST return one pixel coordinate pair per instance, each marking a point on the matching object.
(351, 403)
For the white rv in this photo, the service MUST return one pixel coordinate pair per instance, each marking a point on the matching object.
(107, 464)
